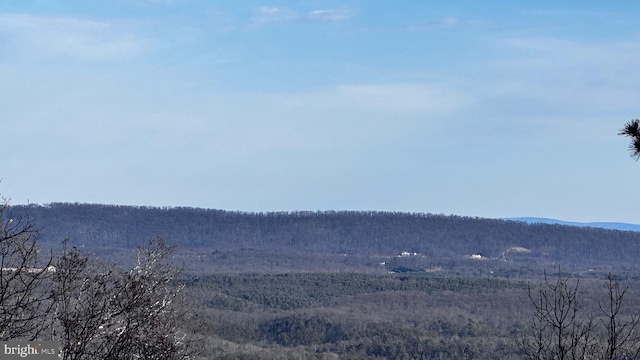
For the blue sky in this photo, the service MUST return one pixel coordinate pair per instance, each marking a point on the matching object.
(491, 109)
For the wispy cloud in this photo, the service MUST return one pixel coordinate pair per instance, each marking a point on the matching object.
(48, 36)
(349, 116)
(329, 15)
(269, 15)
(444, 22)
(447, 22)
(404, 97)
(266, 15)
(563, 79)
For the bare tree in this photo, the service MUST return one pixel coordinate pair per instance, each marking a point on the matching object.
(558, 329)
(103, 312)
(82, 296)
(623, 340)
(95, 310)
(23, 272)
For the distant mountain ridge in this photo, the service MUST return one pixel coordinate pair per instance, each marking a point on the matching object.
(210, 240)
(603, 225)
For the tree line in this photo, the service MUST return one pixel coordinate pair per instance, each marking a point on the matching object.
(438, 239)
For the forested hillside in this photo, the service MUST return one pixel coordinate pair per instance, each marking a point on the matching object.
(357, 285)
(338, 240)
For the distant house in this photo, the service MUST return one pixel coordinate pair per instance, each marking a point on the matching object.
(49, 268)
(406, 253)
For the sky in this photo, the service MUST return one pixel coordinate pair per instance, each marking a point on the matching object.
(491, 109)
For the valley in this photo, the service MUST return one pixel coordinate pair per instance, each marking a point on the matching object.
(357, 285)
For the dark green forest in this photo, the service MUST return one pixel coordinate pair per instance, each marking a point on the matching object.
(363, 315)
(355, 285)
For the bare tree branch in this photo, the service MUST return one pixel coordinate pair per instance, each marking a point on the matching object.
(23, 300)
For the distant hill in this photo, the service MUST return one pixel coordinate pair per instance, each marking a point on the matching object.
(212, 240)
(603, 225)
